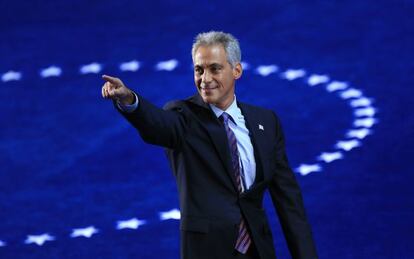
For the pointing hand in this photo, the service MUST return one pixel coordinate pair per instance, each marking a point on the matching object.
(116, 90)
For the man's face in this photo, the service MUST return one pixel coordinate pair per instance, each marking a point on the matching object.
(214, 77)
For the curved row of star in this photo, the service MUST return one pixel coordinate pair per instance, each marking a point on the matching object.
(89, 231)
(363, 109)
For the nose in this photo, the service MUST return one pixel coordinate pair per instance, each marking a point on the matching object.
(206, 77)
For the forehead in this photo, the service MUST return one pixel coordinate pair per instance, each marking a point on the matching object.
(206, 55)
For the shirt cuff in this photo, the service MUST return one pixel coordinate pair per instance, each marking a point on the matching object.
(129, 107)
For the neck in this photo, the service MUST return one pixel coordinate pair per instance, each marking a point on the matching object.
(226, 104)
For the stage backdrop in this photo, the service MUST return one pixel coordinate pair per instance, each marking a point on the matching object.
(76, 181)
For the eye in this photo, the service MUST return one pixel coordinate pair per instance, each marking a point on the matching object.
(198, 70)
(215, 70)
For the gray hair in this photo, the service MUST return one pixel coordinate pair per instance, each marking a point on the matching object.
(228, 41)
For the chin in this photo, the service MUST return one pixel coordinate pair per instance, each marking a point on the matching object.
(207, 99)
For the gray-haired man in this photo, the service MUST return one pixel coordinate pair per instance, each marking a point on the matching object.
(224, 154)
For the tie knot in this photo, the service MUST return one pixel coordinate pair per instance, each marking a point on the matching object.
(225, 117)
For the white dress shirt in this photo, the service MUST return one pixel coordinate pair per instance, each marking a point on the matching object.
(238, 126)
(244, 144)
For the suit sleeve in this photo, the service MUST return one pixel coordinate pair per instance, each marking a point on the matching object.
(157, 126)
(287, 199)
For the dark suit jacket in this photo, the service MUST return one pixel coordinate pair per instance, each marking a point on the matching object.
(211, 207)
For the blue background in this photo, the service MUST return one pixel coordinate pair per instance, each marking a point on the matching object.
(69, 160)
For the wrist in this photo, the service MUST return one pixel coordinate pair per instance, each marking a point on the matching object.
(129, 99)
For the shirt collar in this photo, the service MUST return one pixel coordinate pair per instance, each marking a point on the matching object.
(232, 110)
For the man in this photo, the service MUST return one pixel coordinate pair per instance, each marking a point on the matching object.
(224, 155)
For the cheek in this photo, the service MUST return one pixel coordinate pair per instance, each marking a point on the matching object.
(225, 82)
(220, 80)
(227, 78)
(196, 80)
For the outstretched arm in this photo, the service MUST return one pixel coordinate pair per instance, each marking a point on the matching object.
(156, 126)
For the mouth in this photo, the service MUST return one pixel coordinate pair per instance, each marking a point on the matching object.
(208, 88)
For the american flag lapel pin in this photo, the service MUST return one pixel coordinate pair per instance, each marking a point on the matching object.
(261, 127)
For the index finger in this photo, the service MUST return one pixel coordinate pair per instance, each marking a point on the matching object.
(110, 79)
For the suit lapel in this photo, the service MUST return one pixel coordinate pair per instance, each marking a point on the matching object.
(256, 136)
(217, 134)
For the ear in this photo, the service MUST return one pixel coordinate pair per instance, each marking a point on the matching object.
(237, 71)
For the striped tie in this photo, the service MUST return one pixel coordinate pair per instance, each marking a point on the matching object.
(243, 239)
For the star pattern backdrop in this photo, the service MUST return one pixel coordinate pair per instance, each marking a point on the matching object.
(77, 181)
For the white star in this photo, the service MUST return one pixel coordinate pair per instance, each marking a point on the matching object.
(336, 85)
(317, 79)
(329, 157)
(2, 243)
(92, 68)
(361, 102)
(361, 133)
(367, 122)
(351, 93)
(305, 169)
(11, 76)
(292, 74)
(347, 145)
(39, 239)
(130, 66)
(266, 70)
(133, 223)
(245, 65)
(172, 214)
(168, 65)
(368, 111)
(51, 71)
(86, 232)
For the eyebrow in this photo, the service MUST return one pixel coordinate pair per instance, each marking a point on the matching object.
(211, 65)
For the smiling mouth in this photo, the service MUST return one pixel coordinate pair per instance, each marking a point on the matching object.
(208, 88)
